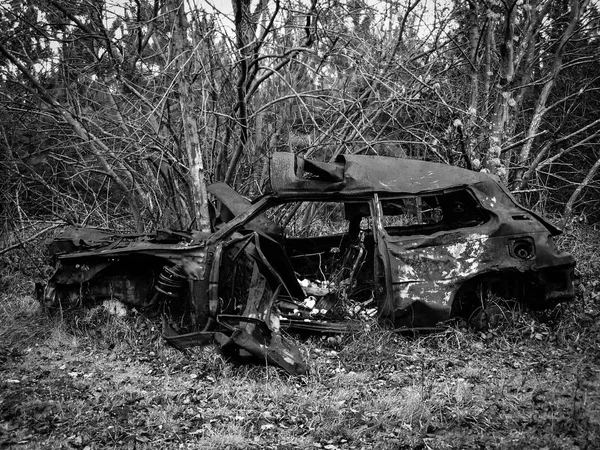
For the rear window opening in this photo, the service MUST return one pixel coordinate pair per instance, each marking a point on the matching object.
(429, 214)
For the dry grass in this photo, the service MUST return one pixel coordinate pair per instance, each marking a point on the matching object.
(583, 242)
(89, 380)
(96, 381)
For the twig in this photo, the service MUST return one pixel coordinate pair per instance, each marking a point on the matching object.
(31, 238)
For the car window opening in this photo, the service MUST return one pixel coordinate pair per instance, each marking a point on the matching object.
(430, 214)
(332, 260)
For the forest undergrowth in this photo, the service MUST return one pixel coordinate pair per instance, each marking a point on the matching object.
(90, 380)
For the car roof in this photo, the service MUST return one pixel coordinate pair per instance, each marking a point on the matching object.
(352, 175)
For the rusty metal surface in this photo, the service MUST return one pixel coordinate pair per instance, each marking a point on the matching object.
(424, 242)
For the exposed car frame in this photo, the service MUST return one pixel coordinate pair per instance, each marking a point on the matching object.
(416, 243)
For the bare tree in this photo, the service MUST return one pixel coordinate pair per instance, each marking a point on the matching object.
(141, 103)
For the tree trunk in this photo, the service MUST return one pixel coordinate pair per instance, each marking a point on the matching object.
(197, 181)
(504, 100)
(577, 193)
(472, 112)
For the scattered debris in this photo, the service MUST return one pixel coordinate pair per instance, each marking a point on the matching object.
(115, 307)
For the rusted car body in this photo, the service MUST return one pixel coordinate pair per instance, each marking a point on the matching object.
(412, 243)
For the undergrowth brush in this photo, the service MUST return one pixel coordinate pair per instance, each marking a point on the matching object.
(88, 379)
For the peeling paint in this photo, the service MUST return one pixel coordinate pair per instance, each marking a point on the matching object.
(456, 250)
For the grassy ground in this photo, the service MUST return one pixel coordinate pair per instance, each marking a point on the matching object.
(91, 381)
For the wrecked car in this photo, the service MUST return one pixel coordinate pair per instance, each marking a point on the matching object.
(408, 242)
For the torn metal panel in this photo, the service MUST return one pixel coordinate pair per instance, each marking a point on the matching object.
(177, 277)
(275, 349)
(319, 170)
(233, 204)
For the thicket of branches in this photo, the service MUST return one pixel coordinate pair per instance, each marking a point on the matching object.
(118, 112)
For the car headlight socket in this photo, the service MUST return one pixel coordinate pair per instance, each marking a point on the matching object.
(522, 248)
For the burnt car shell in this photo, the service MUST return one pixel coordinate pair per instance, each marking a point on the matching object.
(423, 269)
(416, 242)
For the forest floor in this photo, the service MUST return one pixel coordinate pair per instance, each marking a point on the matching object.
(91, 380)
